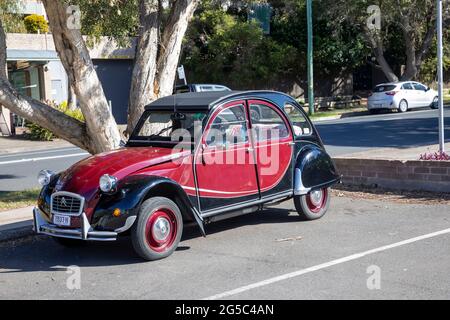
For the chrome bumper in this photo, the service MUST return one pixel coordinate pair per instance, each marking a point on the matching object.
(86, 232)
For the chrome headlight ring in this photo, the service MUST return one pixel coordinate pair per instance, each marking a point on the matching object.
(44, 177)
(107, 183)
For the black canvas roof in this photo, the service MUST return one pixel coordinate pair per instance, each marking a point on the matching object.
(190, 100)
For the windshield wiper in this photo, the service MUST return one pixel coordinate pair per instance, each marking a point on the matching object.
(160, 132)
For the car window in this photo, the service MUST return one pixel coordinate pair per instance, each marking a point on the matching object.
(384, 88)
(407, 86)
(267, 123)
(167, 126)
(299, 122)
(206, 88)
(228, 127)
(419, 86)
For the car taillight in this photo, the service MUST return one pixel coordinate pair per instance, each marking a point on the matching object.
(391, 93)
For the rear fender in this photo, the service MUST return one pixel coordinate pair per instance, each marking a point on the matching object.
(314, 169)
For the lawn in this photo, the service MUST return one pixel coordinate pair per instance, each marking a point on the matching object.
(339, 112)
(18, 199)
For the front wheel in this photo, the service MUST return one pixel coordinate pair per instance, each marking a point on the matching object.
(158, 229)
(435, 103)
(313, 205)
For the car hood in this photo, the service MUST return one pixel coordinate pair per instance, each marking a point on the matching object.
(83, 177)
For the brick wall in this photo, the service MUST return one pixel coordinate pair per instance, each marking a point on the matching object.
(395, 174)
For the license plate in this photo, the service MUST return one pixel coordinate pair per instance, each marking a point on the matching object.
(61, 220)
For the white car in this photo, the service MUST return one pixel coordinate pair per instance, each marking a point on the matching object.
(401, 96)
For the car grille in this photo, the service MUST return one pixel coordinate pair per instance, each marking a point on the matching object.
(67, 203)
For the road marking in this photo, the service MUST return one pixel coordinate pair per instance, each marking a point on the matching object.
(44, 158)
(24, 154)
(323, 265)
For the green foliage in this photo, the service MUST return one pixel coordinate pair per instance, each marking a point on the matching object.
(223, 47)
(35, 23)
(36, 132)
(12, 22)
(116, 19)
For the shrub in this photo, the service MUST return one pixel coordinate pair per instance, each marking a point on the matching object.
(437, 156)
(36, 132)
(35, 23)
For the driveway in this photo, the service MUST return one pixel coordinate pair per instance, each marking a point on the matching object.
(266, 255)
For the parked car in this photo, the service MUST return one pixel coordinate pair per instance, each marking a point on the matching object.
(151, 188)
(200, 88)
(401, 96)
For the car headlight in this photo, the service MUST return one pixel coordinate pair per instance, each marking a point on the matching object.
(44, 177)
(107, 183)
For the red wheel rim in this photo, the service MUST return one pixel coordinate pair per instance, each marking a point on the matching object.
(316, 200)
(161, 229)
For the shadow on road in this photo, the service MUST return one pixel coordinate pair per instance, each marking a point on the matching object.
(40, 253)
(397, 133)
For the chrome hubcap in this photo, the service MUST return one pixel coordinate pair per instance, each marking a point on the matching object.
(161, 229)
(316, 197)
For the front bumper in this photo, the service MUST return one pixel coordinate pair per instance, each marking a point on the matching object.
(86, 232)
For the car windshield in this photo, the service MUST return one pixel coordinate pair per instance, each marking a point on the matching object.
(384, 88)
(168, 127)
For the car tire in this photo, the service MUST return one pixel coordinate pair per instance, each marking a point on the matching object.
(403, 106)
(313, 205)
(434, 104)
(69, 243)
(158, 229)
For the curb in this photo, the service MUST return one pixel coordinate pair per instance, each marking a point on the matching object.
(16, 230)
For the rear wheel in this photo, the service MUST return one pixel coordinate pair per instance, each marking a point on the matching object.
(313, 205)
(158, 229)
(403, 106)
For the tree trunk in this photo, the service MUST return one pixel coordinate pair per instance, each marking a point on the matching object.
(142, 90)
(71, 97)
(172, 38)
(376, 44)
(157, 57)
(62, 125)
(100, 124)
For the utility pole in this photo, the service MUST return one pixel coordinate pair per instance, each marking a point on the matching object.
(440, 77)
(310, 57)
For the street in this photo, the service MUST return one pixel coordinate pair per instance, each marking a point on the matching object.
(266, 255)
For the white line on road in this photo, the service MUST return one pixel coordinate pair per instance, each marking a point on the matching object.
(24, 154)
(323, 265)
(44, 158)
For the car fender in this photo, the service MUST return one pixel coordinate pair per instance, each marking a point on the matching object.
(134, 190)
(314, 169)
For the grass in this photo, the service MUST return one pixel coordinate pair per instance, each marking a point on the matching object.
(18, 199)
(338, 112)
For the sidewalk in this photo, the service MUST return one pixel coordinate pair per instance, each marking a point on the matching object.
(16, 223)
(401, 154)
(14, 144)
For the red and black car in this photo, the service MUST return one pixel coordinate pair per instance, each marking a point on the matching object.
(192, 158)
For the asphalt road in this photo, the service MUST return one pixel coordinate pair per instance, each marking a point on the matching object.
(398, 130)
(343, 136)
(401, 250)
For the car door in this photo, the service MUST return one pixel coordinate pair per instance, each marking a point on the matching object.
(409, 94)
(421, 92)
(224, 162)
(273, 144)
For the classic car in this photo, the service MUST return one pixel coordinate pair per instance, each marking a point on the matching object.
(193, 158)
